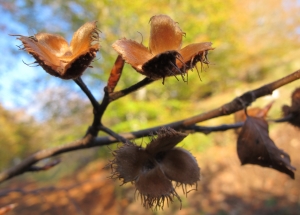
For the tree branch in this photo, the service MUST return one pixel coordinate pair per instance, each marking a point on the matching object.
(90, 141)
(244, 100)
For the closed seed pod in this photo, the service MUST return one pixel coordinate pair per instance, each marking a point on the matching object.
(153, 169)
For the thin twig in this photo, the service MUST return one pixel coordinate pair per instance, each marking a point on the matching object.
(96, 106)
(207, 130)
(104, 104)
(49, 165)
(135, 87)
(283, 119)
(88, 93)
(113, 134)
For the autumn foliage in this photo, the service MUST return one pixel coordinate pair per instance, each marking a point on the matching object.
(157, 169)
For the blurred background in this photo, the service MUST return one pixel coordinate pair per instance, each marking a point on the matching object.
(255, 42)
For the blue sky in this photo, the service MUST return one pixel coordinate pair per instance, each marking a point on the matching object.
(15, 77)
(12, 70)
(10, 80)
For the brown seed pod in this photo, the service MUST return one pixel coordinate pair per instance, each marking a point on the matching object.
(53, 53)
(166, 139)
(165, 34)
(164, 57)
(241, 116)
(296, 99)
(154, 168)
(292, 113)
(154, 188)
(180, 165)
(129, 162)
(254, 146)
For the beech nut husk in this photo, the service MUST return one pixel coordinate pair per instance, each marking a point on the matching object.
(157, 169)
